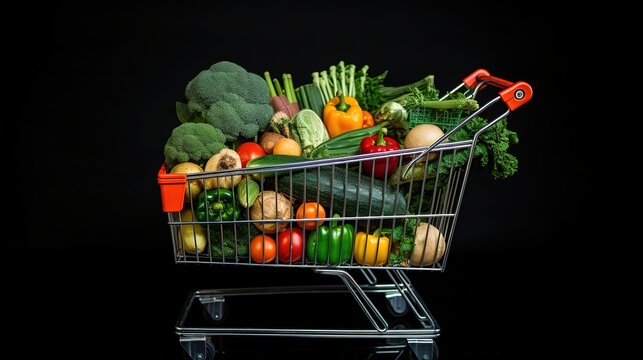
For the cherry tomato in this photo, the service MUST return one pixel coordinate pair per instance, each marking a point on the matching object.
(284, 239)
(263, 248)
(248, 151)
(310, 210)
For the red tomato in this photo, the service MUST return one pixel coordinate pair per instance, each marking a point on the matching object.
(263, 248)
(248, 151)
(310, 210)
(284, 239)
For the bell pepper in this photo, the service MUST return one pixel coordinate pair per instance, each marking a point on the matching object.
(368, 119)
(217, 205)
(332, 244)
(342, 114)
(379, 143)
(371, 249)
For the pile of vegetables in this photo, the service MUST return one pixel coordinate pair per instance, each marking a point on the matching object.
(234, 119)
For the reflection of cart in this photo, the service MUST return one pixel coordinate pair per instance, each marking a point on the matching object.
(360, 200)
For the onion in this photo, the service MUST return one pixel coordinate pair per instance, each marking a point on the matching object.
(430, 241)
(226, 159)
(423, 135)
(270, 205)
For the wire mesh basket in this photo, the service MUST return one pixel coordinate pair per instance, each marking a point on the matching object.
(444, 119)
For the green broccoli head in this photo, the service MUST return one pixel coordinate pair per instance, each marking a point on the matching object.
(230, 99)
(195, 142)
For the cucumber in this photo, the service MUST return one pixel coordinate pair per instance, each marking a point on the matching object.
(345, 188)
(274, 159)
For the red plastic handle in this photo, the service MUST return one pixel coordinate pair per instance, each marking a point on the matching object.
(172, 190)
(513, 94)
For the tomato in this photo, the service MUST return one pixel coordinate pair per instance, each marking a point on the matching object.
(310, 210)
(248, 151)
(263, 249)
(284, 240)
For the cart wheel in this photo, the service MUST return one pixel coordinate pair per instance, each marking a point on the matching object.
(209, 353)
(397, 306)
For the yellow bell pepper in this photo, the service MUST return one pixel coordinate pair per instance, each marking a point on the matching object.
(342, 114)
(368, 247)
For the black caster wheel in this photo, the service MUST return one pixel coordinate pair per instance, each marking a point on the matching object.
(209, 353)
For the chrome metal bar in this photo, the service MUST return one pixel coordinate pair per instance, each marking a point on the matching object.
(369, 275)
(408, 292)
(373, 315)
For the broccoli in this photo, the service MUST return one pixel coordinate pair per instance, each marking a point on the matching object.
(403, 238)
(195, 142)
(235, 237)
(231, 99)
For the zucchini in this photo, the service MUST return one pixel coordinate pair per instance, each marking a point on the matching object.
(360, 195)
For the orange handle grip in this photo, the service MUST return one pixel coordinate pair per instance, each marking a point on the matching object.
(513, 94)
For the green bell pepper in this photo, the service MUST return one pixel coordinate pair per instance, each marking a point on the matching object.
(217, 205)
(331, 244)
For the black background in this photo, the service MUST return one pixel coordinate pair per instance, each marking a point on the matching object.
(99, 106)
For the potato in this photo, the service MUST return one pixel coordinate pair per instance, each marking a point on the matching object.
(193, 236)
(431, 243)
(193, 187)
(423, 135)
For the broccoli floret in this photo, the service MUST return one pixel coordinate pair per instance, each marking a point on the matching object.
(195, 142)
(231, 99)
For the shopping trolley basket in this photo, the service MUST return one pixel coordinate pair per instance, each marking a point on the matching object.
(359, 231)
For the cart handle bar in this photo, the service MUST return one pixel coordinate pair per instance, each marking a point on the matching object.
(514, 94)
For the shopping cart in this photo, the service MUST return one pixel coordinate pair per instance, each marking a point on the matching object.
(424, 191)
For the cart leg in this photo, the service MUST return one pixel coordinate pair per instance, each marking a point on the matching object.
(198, 347)
(214, 306)
(423, 349)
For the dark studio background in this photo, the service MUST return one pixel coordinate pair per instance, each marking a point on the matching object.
(105, 280)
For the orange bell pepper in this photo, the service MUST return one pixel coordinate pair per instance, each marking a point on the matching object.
(342, 114)
(368, 119)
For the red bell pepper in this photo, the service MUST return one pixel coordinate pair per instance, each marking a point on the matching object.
(379, 143)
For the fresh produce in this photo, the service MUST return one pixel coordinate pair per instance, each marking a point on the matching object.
(308, 130)
(423, 135)
(359, 195)
(451, 104)
(217, 205)
(282, 99)
(372, 93)
(380, 168)
(309, 97)
(231, 240)
(263, 249)
(193, 142)
(342, 114)
(271, 205)
(226, 159)
(429, 245)
(368, 119)
(193, 237)
(286, 146)
(310, 210)
(280, 123)
(493, 145)
(371, 249)
(274, 160)
(340, 77)
(248, 151)
(290, 245)
(247, 192)
(395, 117)
(343, 145)
(192, 188)
(268, 140)
(331, 244)
(230, 99)
(402, 237)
